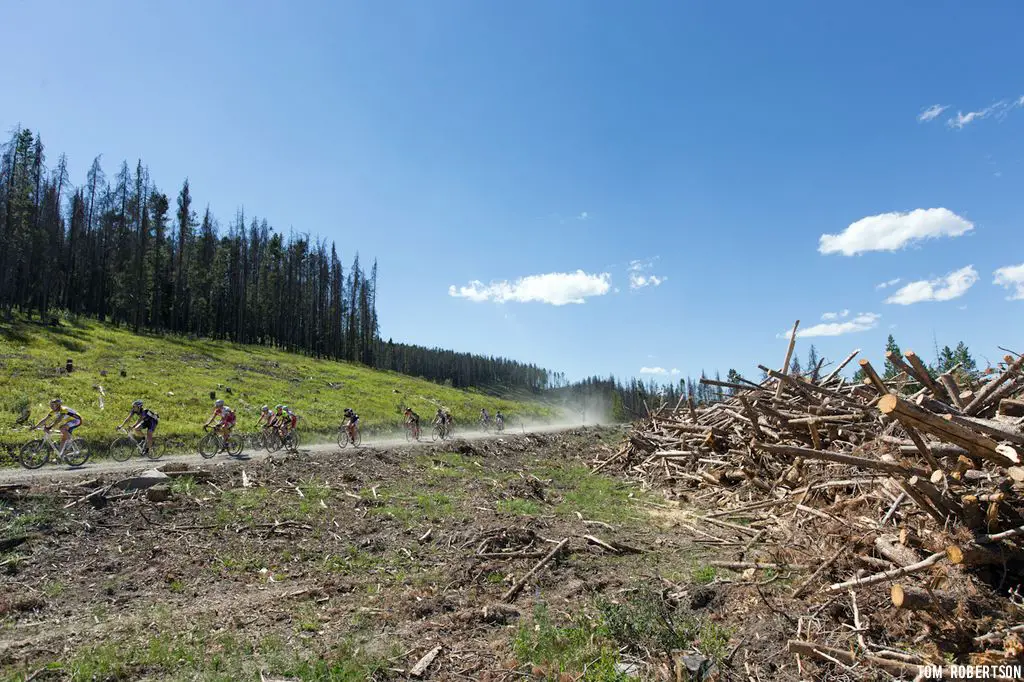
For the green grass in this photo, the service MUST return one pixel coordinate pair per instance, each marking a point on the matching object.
(704, 575)
(221, 657)
(595, 497)
(176, 377)
(589, 645)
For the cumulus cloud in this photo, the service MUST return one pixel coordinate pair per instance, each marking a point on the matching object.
(861, 322)
(653, 370)
(1012, 277)
(639, 280)
(891, 282)
(953, 285)
(932, 112)
(835, 316)
(555, 288)
(894, 231)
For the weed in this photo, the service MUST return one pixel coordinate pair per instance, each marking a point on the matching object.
(704, 575)
(520, 507)
(183, 485)
(577, 648)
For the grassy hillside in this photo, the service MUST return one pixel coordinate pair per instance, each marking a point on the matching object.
(176, 376)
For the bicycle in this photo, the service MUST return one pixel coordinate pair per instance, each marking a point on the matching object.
(344, 437)
(440, 432)
(412, 431)
(485, 425)
(33, 454)
(124, 447)
(290, 441)
(213, 443)
(499, 425)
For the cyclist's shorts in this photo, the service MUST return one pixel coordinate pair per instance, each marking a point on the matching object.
(72, 424)
(149, 424)
(353, 421)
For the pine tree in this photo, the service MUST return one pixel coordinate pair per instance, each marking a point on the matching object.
(891, 347)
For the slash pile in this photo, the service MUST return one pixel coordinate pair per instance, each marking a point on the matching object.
(892, 510)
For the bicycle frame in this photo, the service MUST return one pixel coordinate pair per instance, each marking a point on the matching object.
(49, 440)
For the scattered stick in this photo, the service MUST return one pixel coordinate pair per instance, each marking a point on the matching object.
(519, 584)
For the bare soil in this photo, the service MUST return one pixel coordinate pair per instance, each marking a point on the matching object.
(354, 565)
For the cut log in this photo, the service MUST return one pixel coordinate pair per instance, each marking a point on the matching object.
(1011, 407)
(890, 575)
(916, 599)
(920, 372)
(952, 390)
(889, 547)
(840, 458)
(983, 395)
(789, 355)
(873, 377)
(424, 663)
(820, 652)
(976, 444)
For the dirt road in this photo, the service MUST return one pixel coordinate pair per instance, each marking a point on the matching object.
(102, 465)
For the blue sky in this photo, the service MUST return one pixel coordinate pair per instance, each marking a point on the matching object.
(468, 145)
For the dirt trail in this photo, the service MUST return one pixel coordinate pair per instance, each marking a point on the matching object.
(103, 466)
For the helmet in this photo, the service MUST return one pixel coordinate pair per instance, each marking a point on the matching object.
(265, 409)
(219, 403)
(285, 408)
(137, 404)
(348, 410)
(55, 401)
(277, 407)
(228, 410)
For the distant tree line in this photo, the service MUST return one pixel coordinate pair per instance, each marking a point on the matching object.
(633, 398)
(124, 252)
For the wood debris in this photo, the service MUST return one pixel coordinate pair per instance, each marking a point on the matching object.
(907, 491)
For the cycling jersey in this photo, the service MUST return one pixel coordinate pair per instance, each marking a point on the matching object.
(293, 419)
(413, 418)
(148, 419)
(228, 419)
(65, 412)
(66, 418)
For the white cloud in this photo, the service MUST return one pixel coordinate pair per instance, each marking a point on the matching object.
(1012, 277)
(861, 322)
(953, 285)
(834, 316)
(931, 112)
(893, 231)
(555, 288)
(675, 371)
(638, 280)
(1000, 110)
(891, 282)
(653, 370)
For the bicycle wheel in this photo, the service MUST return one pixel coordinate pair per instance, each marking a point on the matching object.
(155, 451)
(449, 432)
(436, 434)
(34, 454)
(209, 445)
(342, 438)
(358, 439)
(408, 433)
(272, 441)
(291, 441)
(235, 446)
(122, 449)
(76, 453)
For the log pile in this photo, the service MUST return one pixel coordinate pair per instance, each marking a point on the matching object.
(902, 499)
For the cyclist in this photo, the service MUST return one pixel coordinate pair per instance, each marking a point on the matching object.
(484, 417)
(499, 420)
(68, 419)
(146, 418)
(413, 420)
(351, 420)
(439, 417)
(291, 420)
(265, 417)
(221, 412)
(277, 417)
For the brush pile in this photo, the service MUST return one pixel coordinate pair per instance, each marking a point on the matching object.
(892, 512)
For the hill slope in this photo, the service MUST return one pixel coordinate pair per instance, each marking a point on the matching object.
(179, 377)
